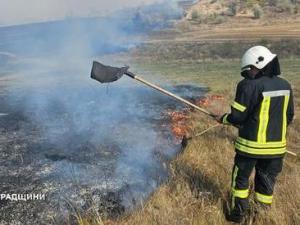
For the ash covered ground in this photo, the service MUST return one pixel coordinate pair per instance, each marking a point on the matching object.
(84, 145)
(81, 144)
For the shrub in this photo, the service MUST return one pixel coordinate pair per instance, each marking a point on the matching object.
(219, 19)
(273, 2)
(183, 26)
(232, 8)
(198, 17)
(195, 15)
(250, 3)
(257, 11)
(297, 9)
(285, 6)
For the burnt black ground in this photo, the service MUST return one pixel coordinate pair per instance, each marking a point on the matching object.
(80, 143)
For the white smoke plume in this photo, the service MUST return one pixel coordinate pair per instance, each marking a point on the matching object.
(94, 139)
(14, 12)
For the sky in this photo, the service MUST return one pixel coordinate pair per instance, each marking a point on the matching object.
(14, 12)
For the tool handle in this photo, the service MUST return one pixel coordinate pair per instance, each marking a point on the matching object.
(169, 94)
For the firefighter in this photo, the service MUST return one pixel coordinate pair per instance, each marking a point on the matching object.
(262, 110)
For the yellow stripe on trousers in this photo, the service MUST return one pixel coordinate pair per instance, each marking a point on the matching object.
(267, 199)
(235, 171)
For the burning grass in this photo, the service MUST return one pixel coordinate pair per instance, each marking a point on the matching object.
(181, 123)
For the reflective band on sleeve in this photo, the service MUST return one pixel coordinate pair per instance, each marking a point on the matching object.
(225, 121)
(276, 93)
(284, 121)
(254, 144)
(267, 199)
(263, 120)
(260, 151)
(240, 193)
(238, 106)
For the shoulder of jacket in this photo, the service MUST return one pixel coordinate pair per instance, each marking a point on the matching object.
(284, 81)
(247, 83)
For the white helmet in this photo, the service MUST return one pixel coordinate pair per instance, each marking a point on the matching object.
(257, 56)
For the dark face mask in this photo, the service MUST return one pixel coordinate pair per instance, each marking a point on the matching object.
(270, 70)
(248, 74)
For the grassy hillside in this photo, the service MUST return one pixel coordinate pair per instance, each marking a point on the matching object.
(217, 11)
(223, 20)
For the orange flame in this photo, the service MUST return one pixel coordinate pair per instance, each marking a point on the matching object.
(180, 120)
(206, 101)
(179, 124)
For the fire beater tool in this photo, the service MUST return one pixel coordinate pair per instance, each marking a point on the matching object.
(108, 74)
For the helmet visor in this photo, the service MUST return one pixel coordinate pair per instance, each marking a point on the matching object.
(246, 68)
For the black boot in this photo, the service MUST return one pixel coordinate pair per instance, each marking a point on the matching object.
(236, 216)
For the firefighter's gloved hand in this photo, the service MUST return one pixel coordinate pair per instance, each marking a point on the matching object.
(219, 118)
(223, 119)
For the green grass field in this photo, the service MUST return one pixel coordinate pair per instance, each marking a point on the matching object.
(219, 76)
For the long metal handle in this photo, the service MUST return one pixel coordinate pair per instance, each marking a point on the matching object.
(179, 99)
(169, 94)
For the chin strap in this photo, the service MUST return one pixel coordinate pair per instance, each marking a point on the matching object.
(247, 75)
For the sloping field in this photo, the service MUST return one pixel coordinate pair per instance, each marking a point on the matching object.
(234, 30)
(291, 30)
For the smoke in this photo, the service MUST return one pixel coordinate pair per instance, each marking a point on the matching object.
(83, 37)
(109, 138)
(13, 12)
(100, 137)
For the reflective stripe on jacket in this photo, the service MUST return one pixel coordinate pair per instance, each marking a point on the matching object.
(262, 110)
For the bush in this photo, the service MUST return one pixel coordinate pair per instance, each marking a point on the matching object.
(183, 26)
(273, 2)
(195, 15)
(297, 9)
(257, 11)
(232, 8)
(250, 3)
(285, 6)
(198, 17)
(219, 19)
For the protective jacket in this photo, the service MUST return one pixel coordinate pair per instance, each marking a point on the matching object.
(263, 108)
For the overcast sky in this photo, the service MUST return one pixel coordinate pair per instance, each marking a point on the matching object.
(26, 11)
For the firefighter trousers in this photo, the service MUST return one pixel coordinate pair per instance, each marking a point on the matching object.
(266, 171)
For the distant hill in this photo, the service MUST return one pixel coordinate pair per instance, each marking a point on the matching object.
(217, 11)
